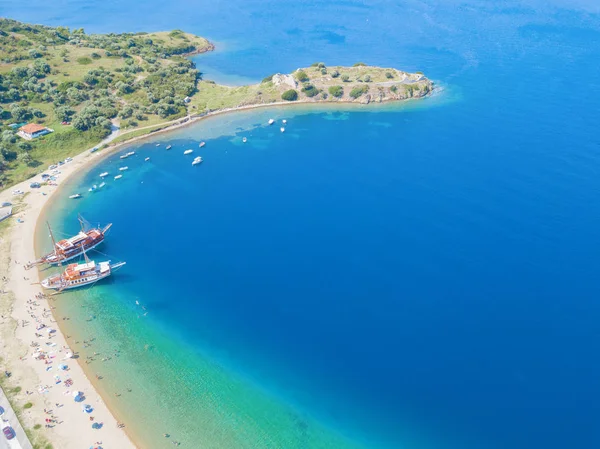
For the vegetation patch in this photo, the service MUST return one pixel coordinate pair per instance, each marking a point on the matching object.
(336, 91)
(290, 95)
(310, 91)
(301, 76)
(358, 91)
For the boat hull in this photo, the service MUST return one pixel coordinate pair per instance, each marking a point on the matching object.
(68, 285)
(73, 256)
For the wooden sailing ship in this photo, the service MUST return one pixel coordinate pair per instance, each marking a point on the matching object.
(72, 247)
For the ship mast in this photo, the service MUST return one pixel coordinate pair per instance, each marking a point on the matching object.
(51, 236)
(87, 260)
(81, 221)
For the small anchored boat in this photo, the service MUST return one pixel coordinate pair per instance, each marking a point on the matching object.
(202, 144)
(102, 175)
(93, 188)
(124, 156)
(118, 176)
(168, 147)
(282, 129)
(101, 185)
(271, 121)
(188, 151)
(75, 196)
(244, 140)
(197, 160)
(284, 121)
(158, 144)
(123, 168)
(147, 159)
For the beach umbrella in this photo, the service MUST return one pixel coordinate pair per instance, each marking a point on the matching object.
(76, 393)
(68, 355)
(62, 367)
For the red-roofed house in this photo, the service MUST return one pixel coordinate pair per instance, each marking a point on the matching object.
(33, 130)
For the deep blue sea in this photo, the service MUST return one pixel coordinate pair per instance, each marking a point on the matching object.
(417, 276)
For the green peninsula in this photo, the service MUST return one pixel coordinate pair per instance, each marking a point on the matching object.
(63, 91)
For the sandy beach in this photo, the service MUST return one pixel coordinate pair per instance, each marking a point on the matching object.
(24, 312)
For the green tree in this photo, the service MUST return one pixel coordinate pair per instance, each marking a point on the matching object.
(301, 76)
(336, 91)
(290, 95)
(358, 91)
(345, 78)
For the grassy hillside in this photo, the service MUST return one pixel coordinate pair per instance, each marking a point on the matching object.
(55, 75)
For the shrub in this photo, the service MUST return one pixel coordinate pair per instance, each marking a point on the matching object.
(394, 89)
(389, 75)
(301, 76)
(323, 71)
(28, 405)
(360, 64)
(358, 91)
(345, 78)
(335, 74)
(310, 90)
(95, 56)
(290, 95)
(336, 91)
(84, 60)
(267, 79)
(37, 427)
(367, 79)
(419, 72)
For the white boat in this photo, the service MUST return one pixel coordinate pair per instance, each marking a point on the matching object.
(124, 156)
(147, 159)
(102, 175)
(188, 151)
(93, 188)
(284, 121)
(197, 160)
(202, 144)
(282, 129)
(80, 274)
(101, 185)
(244, 140)
(271, 121)
(168, 147)
(118, 176)
(123, 168)
(131, 153)
(158, 144)
(75, 196)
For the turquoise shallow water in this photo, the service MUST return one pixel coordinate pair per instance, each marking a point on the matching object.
(395, 277)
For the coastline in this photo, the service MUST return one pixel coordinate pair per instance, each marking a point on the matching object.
(21, 239)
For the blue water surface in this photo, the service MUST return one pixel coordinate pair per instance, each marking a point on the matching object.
(432, 268)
